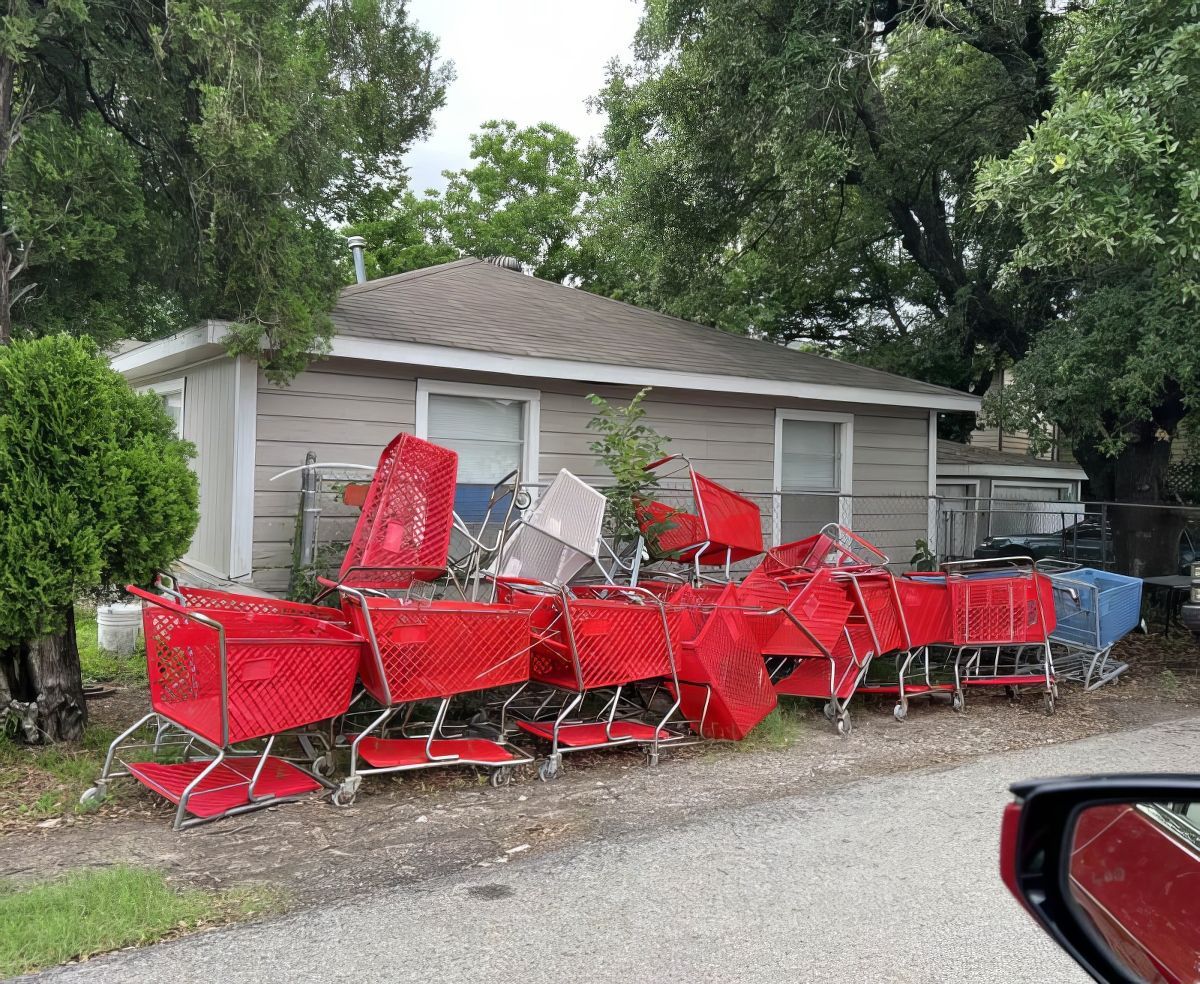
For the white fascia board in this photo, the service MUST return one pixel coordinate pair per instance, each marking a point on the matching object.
(445, 357)
(182, 348)
(949, 472)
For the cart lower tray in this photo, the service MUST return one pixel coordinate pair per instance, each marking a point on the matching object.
(392, 753)
(227, 787)
(594, 734)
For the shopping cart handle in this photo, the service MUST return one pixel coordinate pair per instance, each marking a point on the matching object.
(660, 462)
(172, 606)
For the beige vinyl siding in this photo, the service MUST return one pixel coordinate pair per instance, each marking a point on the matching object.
(342, 411)
(348, 410)
(208, 422)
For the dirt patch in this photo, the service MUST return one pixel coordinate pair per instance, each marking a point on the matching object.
(402, 831)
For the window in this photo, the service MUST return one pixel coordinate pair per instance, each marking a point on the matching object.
(171, 391)
(812, 471)
(494, 429)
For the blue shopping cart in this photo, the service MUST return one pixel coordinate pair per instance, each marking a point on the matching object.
(1094, 610)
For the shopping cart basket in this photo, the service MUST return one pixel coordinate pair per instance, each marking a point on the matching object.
(724, 687)
(1093, 610)
(1002, 615)
(427, 653)
(403, 532)
(723, 528)
(834, 546)
(224, 679)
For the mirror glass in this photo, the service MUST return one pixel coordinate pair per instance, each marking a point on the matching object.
(1134, 879)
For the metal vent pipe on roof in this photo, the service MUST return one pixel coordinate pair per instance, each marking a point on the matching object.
(506, 262)
(356, 244)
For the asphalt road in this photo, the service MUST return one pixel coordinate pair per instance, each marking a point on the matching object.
(883, 880)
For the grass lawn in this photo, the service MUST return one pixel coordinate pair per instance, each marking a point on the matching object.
(779, 729)
(90, 912)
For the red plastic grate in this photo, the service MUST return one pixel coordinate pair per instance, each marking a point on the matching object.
(232, 601)
(407, 517)
(225, 788)
(615, 642)
(283, 672)
(440, 648)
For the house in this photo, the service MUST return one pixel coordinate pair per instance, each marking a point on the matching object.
(985, 493)
(498, 365)
(1015, 441)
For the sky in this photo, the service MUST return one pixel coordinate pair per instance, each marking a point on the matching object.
(531, 61)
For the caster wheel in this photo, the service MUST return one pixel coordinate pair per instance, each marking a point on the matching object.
(501, 777)
(830, 711)
(344, 795)
(651, 758)
(1011, 694)
(92, 796)
(1048, 703)
(958, 702)
(547, 769)
(899, 712)
(843, 725)
(323, 766)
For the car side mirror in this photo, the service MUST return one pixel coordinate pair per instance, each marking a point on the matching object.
(1110, 868)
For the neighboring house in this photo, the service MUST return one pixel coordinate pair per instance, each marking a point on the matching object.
(498, 365)
(991, 493)
(1015, 442)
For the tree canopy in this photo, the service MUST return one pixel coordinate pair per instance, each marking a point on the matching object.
(1106, 189)
(164, 162)
(95, 490)
(803, 170)
(522, 197)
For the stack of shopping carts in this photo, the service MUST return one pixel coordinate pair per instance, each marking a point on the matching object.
(524, 635)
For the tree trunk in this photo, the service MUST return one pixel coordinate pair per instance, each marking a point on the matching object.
(1145, 539)
(41, 684)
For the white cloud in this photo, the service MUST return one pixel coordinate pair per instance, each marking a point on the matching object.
(531, 61)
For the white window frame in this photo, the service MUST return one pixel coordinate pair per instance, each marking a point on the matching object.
(169, 387)
(845, 456)
(532, 417)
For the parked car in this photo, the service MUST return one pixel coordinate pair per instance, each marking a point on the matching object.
(1110, 868)
(1083, 542)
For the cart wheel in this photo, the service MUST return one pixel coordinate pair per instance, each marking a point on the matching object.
(844, 727)
(547, 769)
(899, 712)
(830, 711)
(344, 795)
(502, 776)
(651, 757)
(92, 796)
(1048, 702)
(1011, 693)
(958, 702)
(323, 766)
(522, 500)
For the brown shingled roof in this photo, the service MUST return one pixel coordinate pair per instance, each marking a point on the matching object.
(477, 306)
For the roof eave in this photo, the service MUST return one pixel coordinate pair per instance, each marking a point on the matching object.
(446, 357)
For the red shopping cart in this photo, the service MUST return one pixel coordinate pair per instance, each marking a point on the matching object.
(1002, 615)
(724, 687)
(225, 679)
(722, 528)
(597, 651)
(403, 532)
(425, 654)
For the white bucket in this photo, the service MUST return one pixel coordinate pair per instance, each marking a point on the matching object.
(118, 627)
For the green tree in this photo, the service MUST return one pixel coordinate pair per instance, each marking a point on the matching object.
(800, 169)
(164, 162)
(1106, 189)
(522, 197)
(95, 490)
